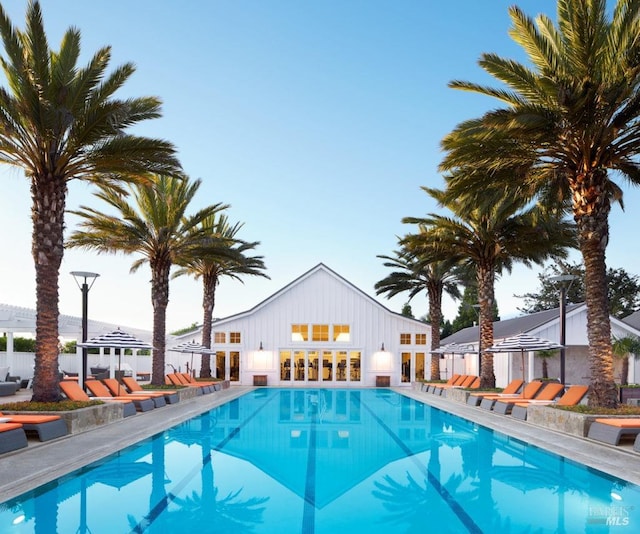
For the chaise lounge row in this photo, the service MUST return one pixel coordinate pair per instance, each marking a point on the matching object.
(518, 397)
(456, 381)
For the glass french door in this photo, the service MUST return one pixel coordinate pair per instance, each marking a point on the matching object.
(319, 366)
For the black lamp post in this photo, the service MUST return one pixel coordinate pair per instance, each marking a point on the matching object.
(565, 281)
(84, 287)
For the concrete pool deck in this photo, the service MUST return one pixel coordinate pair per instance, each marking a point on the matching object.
(39, 463)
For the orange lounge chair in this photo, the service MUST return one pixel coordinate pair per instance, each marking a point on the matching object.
(170, 395)
(178, 380)
(212, 384)
(427, 385)
(439, 388)
(571, 397)
(548, 393)
(12, 437)
(612, 430)
(45, 426)
(74, 392)
(529, 392)
(118, 390)
(97, 388)
(511, 389)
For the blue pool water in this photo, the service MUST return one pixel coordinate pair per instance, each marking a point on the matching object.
(328, 461)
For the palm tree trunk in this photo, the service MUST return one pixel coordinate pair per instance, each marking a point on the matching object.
(591, 210)
(208, 303)
(48, 204)
(160, 300)
(435, 317)
(624, 373)
(486, 281)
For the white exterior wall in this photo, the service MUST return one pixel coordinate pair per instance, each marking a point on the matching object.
(320, 297)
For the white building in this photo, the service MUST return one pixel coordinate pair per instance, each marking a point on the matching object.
(544, 324)
(319, 330)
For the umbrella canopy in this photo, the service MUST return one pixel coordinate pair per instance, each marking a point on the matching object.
(453, 349)
(523, 343)
(192, 347)
(116, 340)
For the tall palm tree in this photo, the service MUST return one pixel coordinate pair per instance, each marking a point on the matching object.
(568, 119)
(489, 238)
(59, 122)
(415, 275)
(154, 226)
(227, 257)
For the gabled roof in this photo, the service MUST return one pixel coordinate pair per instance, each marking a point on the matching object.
(512, 327)
(633, 320)
(321, 267)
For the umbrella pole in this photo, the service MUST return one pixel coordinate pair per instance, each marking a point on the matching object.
(523, 377)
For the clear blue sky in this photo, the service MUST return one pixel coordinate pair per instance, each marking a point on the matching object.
(318, 121)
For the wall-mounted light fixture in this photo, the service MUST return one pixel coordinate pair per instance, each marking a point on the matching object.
(260, 346)
(382, 347)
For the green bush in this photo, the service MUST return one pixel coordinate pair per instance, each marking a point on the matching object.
(62, 406)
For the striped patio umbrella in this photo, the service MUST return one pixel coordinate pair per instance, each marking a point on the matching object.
(523, 343)
(453, 349)
(116, 340)
(193, 348)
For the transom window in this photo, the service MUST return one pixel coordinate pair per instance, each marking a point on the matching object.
(320, 332)
(234, 337)
(341, 332)
(421, 339)
(405, 339)
(219, 337)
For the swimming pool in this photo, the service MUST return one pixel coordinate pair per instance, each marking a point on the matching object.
(328, 461)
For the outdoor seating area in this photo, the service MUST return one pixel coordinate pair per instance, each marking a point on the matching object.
(18, 429)
(518, 398)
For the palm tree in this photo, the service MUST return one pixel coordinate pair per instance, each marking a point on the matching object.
(211, 263)
(622, 348)
(415, 275)
(490, 238)
(59, 122)
(567, 120)
(154, 226)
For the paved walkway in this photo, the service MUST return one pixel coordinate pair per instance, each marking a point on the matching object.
(39, 463)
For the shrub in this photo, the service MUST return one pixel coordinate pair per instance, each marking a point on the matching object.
(62, 406)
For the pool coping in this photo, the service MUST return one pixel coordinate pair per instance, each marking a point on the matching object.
(24, 470)
(614, 460)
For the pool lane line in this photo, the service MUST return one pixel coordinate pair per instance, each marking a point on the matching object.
(447, 497)
(161, 506)
(309, 509)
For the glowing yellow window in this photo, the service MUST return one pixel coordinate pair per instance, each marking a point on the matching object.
(219, 337)
(421, 339)
(320, 332)
(299, 332)
(405, 339)
(234, 337)
(341, 332)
